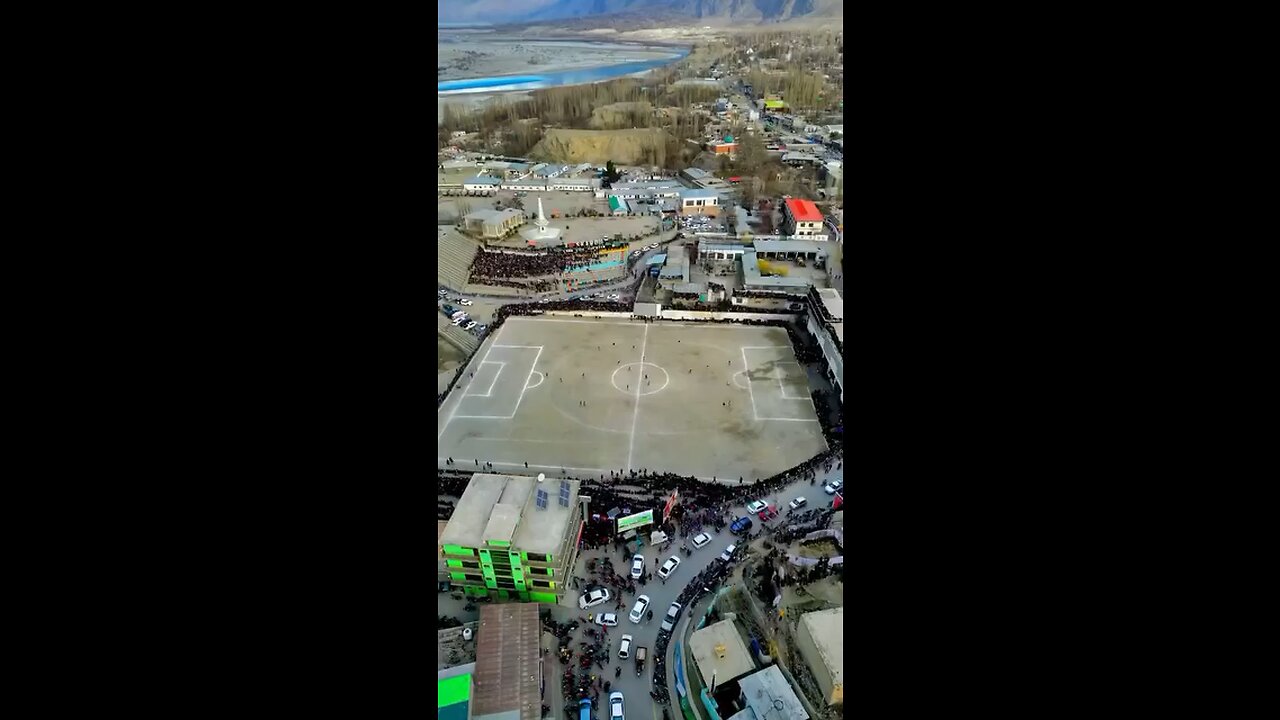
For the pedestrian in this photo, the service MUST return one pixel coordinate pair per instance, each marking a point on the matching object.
(526, 464)
(477, 462)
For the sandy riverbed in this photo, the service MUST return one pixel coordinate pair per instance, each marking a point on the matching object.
(473, 57)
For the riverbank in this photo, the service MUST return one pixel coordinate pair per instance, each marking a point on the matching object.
(464, 57)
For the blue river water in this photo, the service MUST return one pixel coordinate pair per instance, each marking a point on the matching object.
(564, 77)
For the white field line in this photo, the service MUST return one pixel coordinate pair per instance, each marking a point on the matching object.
(746, 368)
(526, 382)
(454, 411)
(636, 414)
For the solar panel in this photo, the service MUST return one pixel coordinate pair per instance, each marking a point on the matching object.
(564, 489)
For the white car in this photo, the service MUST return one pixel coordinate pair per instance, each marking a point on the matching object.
(727, 555)
(442, 293)
(637, 567)
(833, 487)
(459, 320)
(797, 503)
(464, 301)
(593, 597)
(607, 619)
(756, 506)
(673, 612)
(544, 300)
(470, 325)
(700, 540)
(624, 650)
(641, 606)
(614, 296)
(668, 567)
(615, 707)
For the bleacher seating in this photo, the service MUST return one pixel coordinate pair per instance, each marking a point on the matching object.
(456, 256)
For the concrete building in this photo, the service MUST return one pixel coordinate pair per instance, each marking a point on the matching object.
(493, 223)
(826, 323)
(801, 217)
(791, 250)
(820, 639)
(723, 148)
(753, 280)
(507, 654)
(456, 692)
(647, 190)
(513, 537)
(766, 695)
(573, 184)
(527, 185)
(720, 653)
(481, 183)
(721, 251)
(700, 202)
(618, 206)
(695, 175)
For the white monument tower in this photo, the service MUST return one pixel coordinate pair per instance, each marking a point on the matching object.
(543, 234)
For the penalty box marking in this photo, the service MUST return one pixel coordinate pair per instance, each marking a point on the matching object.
(518, 400)
(487, 393)
(747, 372)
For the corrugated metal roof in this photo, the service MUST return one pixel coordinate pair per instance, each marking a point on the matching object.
(507, 654)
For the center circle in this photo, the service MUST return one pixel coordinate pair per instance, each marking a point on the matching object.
(623, 375)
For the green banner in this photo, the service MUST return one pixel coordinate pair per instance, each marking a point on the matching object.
(632, 522)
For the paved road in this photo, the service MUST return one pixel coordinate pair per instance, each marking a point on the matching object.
(639, 706)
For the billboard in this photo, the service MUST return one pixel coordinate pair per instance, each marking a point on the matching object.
(631, 522)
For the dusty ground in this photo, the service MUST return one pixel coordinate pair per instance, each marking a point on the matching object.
(520, 400)
(597, 146)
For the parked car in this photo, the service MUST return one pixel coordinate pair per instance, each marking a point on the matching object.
(797, 503)
(449, 310)
(607, 619)
(464, 301)
(637, 567)
(594, 597)
(833, 487)
(673, 612)
(727, 555)
(700, 540)
(615, 707)
(740, 525)
(768, 514)
(459, 320)
(470, 325)
(668, 567)
(639, 609)
(624, 650)
(756, 506)
(614, 296)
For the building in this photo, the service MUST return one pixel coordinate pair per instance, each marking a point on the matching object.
(729, 149)
(573, 184)
(481, 183)
(766, 695)
(774, 104)
(791, 250)
(513, 537)
(618, 206)
(720, 250)
(700, 202)
(647, 189)
(527, 185)
(820, 639)
(826, 324)
(752, 279)
(550, 171)
(801, 217)
(720, 653)
(455, 692)
(493, 223)
(507, 670)
(695, 175)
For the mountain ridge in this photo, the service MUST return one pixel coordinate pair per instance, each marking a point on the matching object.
(757, 11)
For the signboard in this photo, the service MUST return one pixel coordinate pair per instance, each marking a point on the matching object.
(631, 522)
(671, 503)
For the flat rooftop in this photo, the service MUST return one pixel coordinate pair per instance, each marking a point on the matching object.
(507, 654)
(502, 507)
(769, 697)
(751, 275)
(833, 303)
(785, 246)
(494, 216)
(826, 627)
(697, 194)
(719, 650)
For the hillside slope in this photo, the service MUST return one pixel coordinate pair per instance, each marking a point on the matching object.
(743, 11)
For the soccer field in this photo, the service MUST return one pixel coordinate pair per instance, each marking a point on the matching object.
(723, 401)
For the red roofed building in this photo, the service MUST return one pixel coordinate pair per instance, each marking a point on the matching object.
(801, 217)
